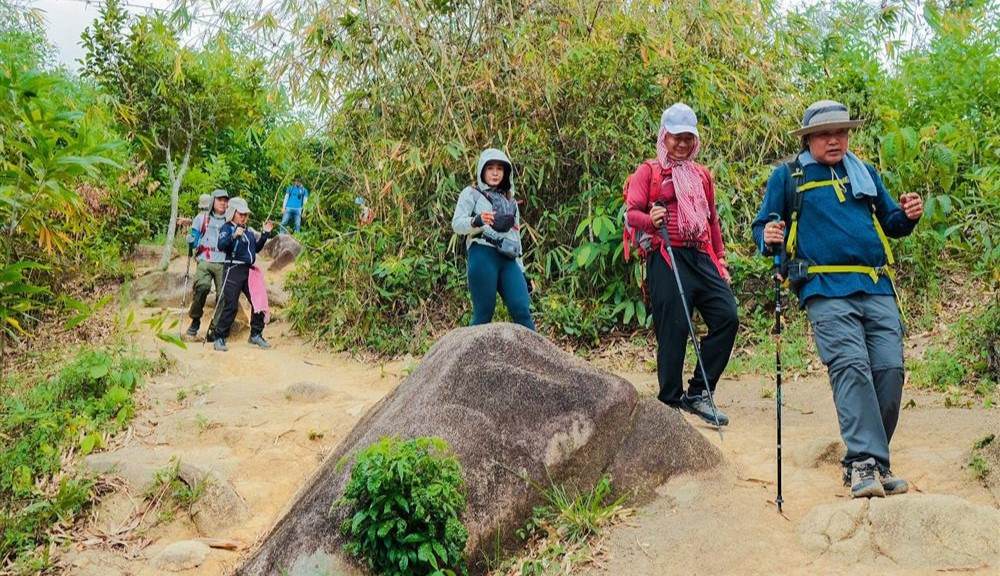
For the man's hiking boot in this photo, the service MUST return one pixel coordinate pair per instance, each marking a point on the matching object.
(865, 480)
(192, 330)
(220, 345)
(892, 484)
(701, 407)
(258, 340)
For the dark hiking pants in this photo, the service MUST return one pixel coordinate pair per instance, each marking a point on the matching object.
(206, 276)
(860, 340)
(707, 293)
(490, 273)
(236, 284)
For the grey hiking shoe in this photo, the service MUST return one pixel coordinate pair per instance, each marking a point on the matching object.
(701, 407)
(892, 485)
(194, 327)
(259, 341)
(865, 480)
(220, 345)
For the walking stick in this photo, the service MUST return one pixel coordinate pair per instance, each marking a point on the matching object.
(187, 277)
(777, 355)
(665, 235)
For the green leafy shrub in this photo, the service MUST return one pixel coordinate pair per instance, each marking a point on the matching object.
(41, 422)
(406, 498)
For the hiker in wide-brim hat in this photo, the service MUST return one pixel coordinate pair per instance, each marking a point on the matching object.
(671, 198)
(830, 217)
(824, 116)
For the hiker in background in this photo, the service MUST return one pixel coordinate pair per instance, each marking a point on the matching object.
(296, 196)
(203, 238)
(488, 216)
(204, 205)
(831, 215)
(241, 245)
(673, 197)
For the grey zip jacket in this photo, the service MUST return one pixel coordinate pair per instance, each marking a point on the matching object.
(472, 203)
(207, 243)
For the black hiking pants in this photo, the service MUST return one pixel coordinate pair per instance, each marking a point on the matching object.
(235, 284)
(707, 293)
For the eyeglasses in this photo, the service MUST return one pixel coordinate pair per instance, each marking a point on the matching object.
(832, 135)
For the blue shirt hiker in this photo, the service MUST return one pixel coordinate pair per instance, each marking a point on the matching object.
(833, 216)
(296, 197)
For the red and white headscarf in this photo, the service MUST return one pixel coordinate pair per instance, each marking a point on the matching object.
(692, 204)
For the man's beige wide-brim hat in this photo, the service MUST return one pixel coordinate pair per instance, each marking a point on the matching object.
(824, 116)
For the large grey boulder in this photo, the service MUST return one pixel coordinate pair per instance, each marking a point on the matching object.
(516, 410)
(283, 250)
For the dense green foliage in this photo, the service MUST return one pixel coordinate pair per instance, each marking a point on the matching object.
(76, 190)
(43, 423)
(406, 498)
(573, 92)
(60, 159)
(966, 356)
(172, 99)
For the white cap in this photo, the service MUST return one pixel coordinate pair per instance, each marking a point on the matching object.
(678, 119)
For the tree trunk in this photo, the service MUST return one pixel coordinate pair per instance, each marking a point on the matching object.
(175, 177)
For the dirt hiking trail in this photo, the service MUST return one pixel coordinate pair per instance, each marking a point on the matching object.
(236, 418)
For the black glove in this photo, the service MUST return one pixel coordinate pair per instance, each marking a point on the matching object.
(477, 222)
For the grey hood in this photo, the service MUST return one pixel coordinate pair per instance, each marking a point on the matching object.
(494, 155)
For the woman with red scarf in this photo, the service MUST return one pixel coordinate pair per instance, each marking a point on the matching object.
(674, 196)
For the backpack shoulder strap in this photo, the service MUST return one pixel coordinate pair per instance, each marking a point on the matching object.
(655, 176)
(796, 176)
(793, 201)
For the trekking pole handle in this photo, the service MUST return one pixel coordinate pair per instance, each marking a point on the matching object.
(780, 251)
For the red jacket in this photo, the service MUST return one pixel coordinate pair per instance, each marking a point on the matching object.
(641, 196)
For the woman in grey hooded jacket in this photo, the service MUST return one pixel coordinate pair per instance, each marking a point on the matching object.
(487, 215)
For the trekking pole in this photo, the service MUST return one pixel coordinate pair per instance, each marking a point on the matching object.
(187, 277)
(777, 355)
(665, 234)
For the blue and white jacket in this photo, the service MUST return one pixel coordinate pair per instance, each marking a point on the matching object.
(242, 250)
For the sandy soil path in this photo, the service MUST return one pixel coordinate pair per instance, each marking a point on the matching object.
(229, 413)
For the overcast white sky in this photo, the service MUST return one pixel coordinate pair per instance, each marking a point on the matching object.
(65, 20)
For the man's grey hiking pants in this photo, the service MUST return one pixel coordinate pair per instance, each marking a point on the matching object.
(860, 340)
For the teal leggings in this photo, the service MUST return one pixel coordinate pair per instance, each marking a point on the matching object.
(490, 272)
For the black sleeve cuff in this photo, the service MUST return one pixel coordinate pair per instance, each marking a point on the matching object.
(477, 222)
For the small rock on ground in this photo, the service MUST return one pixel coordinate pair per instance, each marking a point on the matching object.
(306, 392)
(220, 507)
(180, 556)
(818, 452)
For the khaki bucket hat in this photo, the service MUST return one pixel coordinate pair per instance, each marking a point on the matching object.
(825, 115)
